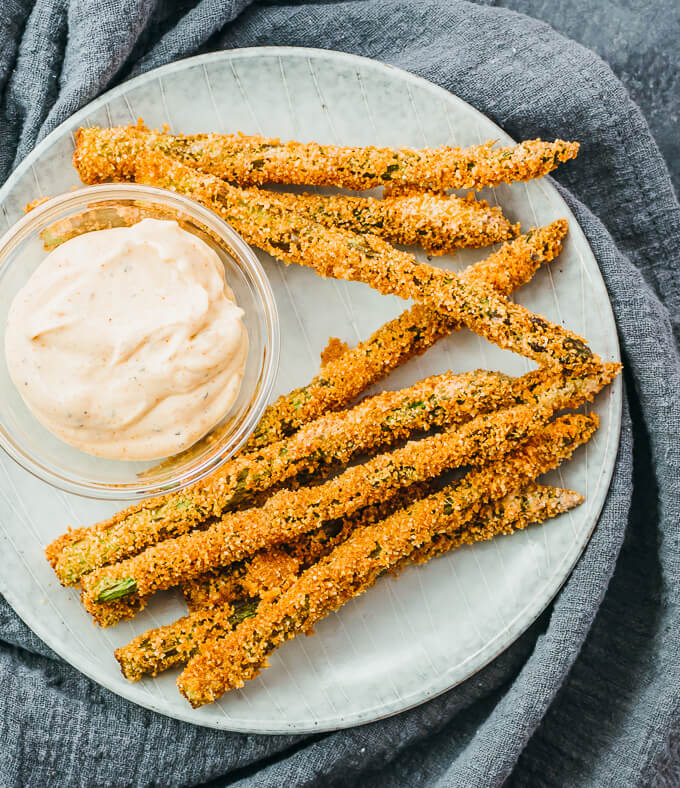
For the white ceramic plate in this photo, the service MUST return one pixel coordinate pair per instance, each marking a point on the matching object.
(409, 638)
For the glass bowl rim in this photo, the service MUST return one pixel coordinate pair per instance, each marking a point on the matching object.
(245, 258)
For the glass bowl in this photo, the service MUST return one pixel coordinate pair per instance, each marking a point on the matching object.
(24, 247)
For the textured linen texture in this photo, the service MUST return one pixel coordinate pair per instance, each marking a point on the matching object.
(589, 695)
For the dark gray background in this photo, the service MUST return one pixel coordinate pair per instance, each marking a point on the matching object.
(640, 41)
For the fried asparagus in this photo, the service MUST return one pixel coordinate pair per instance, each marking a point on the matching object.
(412, 333)
(220, 600)
(288, 514)
(227, 662)
(330, 440)
(174, 644)
(440, 223)
(255, 160)
(341, 254)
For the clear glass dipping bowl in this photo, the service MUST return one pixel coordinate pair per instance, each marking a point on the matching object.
(22, 249)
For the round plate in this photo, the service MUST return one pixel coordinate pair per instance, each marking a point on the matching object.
(409, 638)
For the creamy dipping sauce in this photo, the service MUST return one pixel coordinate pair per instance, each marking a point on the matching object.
(127, 343)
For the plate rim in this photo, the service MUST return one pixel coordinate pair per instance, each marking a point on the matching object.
(527, 615)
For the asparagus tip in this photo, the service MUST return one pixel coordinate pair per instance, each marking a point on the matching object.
(117, 590)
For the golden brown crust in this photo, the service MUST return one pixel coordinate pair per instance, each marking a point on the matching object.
(341, 379)
(273, 572)
(333, 350)
(288, 514)
(257, 160)
(111, 154)
(330, 440)
(287, 235)
(354, 566)
(222, 599)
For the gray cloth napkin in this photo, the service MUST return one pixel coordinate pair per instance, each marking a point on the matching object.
(590, 694)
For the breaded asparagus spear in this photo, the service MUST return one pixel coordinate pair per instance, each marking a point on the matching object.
(332, 252)
(174, 644)
(292, 238)
(330, 440)
(290, 513)
(440, 223)
(239, 588)
(227, 662)
(413, 332)
(251, 160)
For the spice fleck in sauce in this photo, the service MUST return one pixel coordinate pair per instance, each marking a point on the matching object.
(127, 343)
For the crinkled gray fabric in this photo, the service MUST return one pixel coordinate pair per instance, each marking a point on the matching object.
(589, 695)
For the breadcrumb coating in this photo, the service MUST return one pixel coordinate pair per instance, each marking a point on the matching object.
(255, 160)
(440, 223)
(333, 439)
(412, 333)
(226, 663)
(253, 576)
(174, 644)
(235, 592)
(334, 349)
(332, 252)
(288, 514)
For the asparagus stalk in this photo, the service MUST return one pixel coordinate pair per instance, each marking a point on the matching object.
(330, 440)
(227, 662)
(341, 379)
(256, 160)
(244, 585)
(174, 644)
(292, 238)
(413, 332)
(440, 223)
(288, 514)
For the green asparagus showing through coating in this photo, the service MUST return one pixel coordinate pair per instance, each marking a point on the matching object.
(226, 662)
(330, 440)
(174, 644)
(410, 334)
(253, 160)
(337, 253)
(290, 513)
